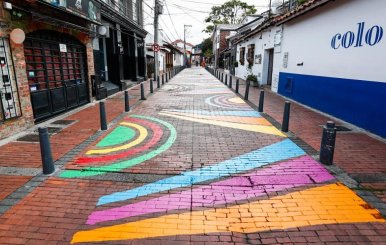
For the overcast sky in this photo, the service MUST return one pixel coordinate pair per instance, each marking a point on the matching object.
(187, 12)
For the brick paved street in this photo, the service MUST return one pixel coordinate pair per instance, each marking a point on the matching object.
(192, 164)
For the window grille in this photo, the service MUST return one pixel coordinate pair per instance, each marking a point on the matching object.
(9, 102)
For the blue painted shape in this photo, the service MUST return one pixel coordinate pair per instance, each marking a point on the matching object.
(258, 158)
(243, 113)
(356, 101)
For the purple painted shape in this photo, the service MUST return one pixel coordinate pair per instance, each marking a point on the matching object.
(279, 177)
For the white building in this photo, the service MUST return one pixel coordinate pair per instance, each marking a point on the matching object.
(330, 58)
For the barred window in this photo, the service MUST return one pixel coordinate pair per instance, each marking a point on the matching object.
(242, 55)
(251, 54)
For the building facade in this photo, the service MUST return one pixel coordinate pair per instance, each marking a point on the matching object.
(333, 66)
(220, 44)
(49, 51)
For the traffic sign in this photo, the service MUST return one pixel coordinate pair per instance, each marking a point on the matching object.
(156, 47)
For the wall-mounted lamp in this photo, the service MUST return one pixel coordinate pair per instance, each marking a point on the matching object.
(17, 36)
(7, 6)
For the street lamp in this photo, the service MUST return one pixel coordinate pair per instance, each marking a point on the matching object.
(185, 56)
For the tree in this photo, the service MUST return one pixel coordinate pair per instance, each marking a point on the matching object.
(231, 12)
(206, 47)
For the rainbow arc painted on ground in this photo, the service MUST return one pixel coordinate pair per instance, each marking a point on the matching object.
(238, 194)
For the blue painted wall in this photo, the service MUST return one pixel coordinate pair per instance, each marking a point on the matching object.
(362, 103)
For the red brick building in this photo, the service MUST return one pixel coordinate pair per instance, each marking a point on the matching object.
(220, 43)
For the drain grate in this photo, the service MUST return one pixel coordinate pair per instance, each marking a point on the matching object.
(29, 138)
(342, 129)
(63, 122)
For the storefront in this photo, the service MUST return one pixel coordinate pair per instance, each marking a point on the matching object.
(46, 59)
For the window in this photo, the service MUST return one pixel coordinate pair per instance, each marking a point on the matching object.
(9, 98)
(135, 10)
(251, 54)
(242, 55)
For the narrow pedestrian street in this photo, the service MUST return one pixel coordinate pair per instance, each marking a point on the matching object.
(192, 164)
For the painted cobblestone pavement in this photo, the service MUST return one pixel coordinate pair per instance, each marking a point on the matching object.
(223, 174)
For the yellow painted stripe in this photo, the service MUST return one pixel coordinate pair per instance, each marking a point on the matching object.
(237, 100)
(142, 136)
(243, 120)
(330, 204)
(253, 128)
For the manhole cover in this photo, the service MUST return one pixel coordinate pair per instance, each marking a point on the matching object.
(29, 138)
(53, 130)
(63, 122)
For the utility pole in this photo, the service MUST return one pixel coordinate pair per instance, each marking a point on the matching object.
(157, 12)
(185, 53)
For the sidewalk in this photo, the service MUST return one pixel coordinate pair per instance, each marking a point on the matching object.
(193, 164)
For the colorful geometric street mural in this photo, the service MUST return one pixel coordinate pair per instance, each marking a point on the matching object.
(121, 152)
(227, 102)
(271, 188)
(329, 204)
(238, 121)
(279, 168)
(255, 184)
(220, 90)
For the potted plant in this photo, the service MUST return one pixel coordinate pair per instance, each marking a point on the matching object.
(236, 64)
(253, 79)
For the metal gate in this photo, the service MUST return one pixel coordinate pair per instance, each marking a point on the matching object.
(56, 71)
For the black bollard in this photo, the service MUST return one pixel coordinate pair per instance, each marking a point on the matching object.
(230, 81)
(247, 84)
(163, 79)
(45, 151)
(127, 103)
(226, 79)
(102, 113)
(142, 92)
(286, 116)
(158, 83)
(261, 101)
(222, 77)
(237, 85)
(328, 144)
(151, 86)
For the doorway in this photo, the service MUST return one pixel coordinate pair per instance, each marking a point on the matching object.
(270, 67)
(56, 71)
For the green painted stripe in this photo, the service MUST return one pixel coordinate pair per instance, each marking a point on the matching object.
(118, 136)
(93, 171)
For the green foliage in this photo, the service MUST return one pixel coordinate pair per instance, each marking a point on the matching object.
(300, 2)
(252, 78)
(231, 12)
(206, 47)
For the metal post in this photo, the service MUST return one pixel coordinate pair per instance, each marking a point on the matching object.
(261, 101)
(102, 113)
(328, 144)
(286, 116)
(226, 79)
(230, 81)
(163, 77)
(222, 77)
(237, 85)
(247, 84)
(127, 102)
(157, 11)
(45, 151)
(158, 82)
(151, 86)
(142, 92)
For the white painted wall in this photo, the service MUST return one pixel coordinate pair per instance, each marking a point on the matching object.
(308, 38)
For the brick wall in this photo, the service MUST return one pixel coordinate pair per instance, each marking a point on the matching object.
(223, 41)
